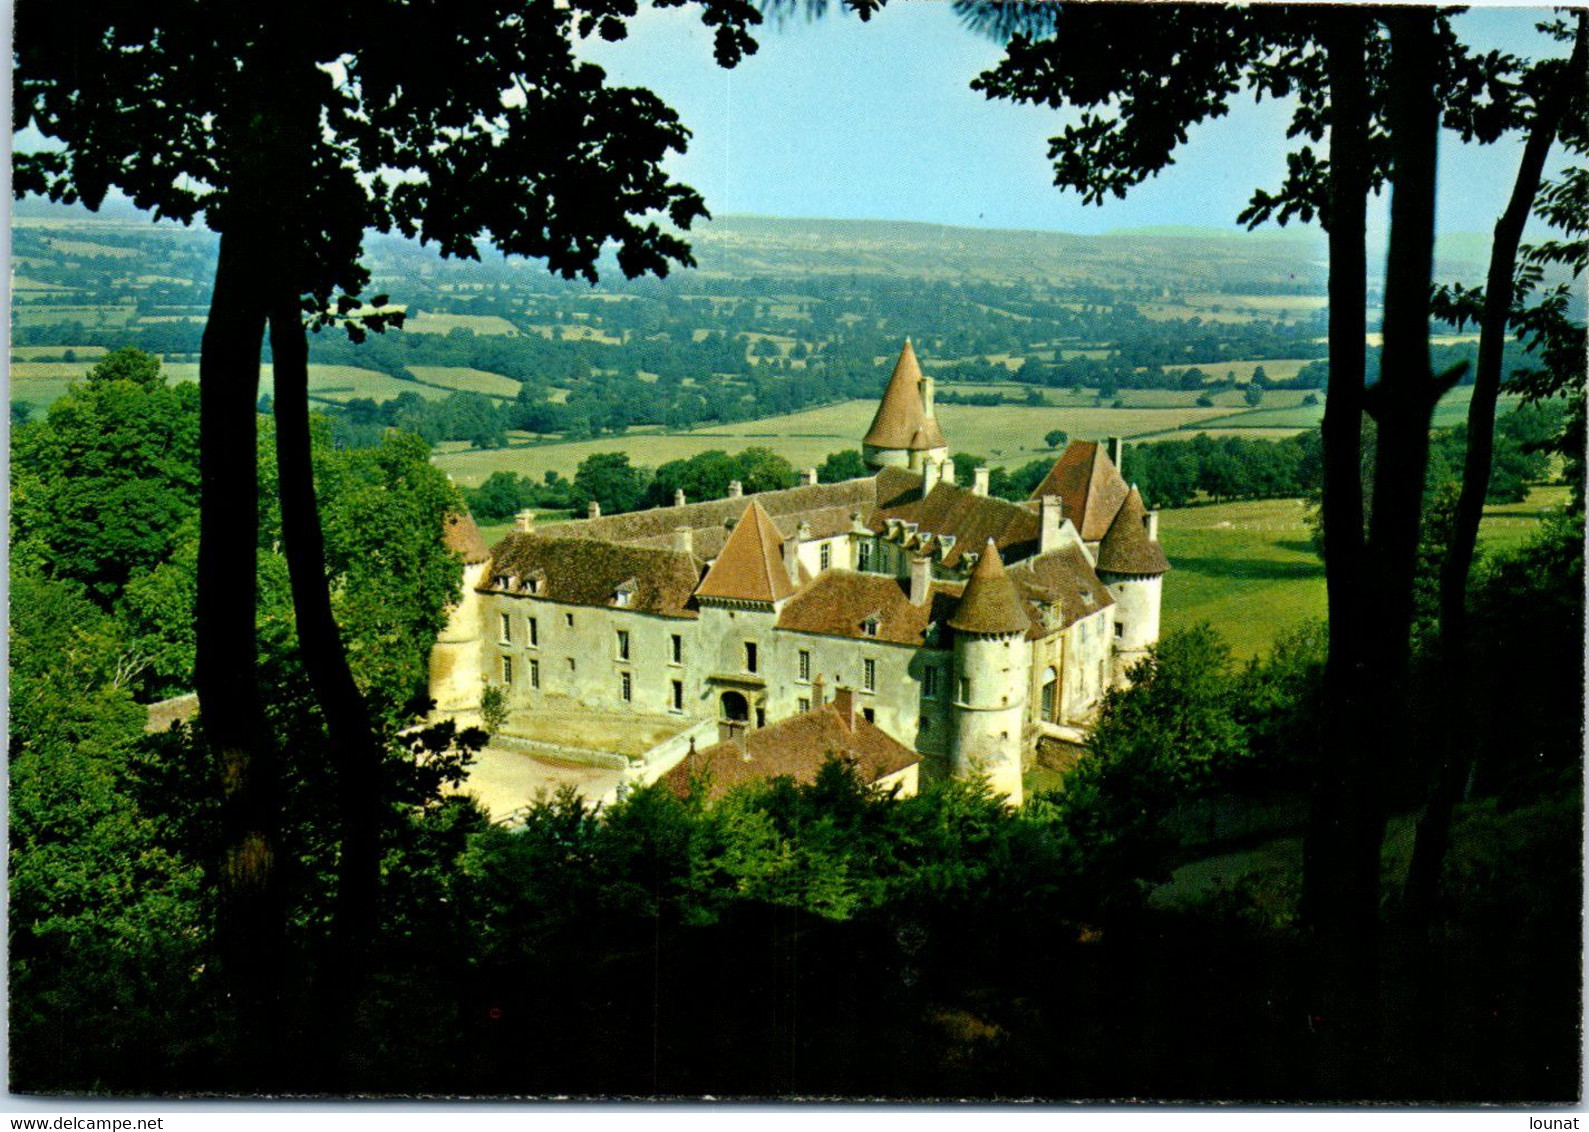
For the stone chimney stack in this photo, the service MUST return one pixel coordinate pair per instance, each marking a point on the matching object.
(928, 397)
(684, 540)
(1117, 451)
(979, 486)
(947, 473)
(593, 511)
(1051, 512)
(735, 489)
(920, 579)
(678, 497)
(808, 478)
(844, 702)
(930, 475)
(1151, 522)
(819, 690)
(524, 521)
(791, 558)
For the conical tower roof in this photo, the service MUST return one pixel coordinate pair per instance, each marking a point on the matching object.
(1090, 486)
(750, 566)
(990, 602)
(902, 420)
(1126, 548)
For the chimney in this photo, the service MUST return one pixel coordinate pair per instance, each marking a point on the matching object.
(857, 527)
(920, 579)
(684, 540)
(980, 485)
(524, 521)
(735, 489)
(593, 511)
(946, 474)
(678, 497)
(1051, 511)
(930, 476)
(1151, 522)
(791, 558)
(844, 701)
(927, 397)
(808, 478)
(818, 691)
(1117, 451)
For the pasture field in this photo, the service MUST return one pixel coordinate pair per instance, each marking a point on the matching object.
(1277, 369)
(21, 283)
(1007, 435)
(430, 322)
(85, 248)
(467, 380)
(575, 332)
(28, 353)
(1250, 571)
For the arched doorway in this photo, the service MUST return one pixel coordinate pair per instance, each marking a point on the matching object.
(736, 709)
(1050, 699)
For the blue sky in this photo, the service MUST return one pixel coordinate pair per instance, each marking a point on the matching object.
(839, 118)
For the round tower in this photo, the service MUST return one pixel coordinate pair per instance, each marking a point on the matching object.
(1132, 565)
(992, 660)
(905, 432)
(455, 674)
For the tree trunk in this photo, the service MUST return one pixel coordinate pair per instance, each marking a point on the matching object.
(1450, 771)
(1337, 800)
(249, 923)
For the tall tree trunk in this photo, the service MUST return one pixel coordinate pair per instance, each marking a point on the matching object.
(1337, 802)
(1450, 770)
(354, 746)
(249, 926)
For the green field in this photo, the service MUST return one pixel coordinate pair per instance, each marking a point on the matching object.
(39, 383)
(1282, 369)
(464, 378)
(1249, 569)
(429, 322)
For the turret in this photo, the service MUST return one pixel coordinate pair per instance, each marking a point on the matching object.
(905, 432)
(992, 659)
(455, 679)
(1132, 565)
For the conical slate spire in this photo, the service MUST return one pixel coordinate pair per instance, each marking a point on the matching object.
(1127, 549)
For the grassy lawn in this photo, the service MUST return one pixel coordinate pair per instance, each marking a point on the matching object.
(1250, 571)
(467, 380)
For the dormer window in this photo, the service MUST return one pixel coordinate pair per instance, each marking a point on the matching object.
(624, 595)
(536, 582)
(869, 626)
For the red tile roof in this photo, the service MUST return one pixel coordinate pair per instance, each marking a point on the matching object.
(950, 510)
(838, 602)
(1090, 486)
(750, 567)
(795, 748)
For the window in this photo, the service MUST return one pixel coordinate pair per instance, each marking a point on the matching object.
(923, 725)
(623, 644)
(929, 683)
(678, 694)
(761, 717)
(750, 656)
(626, 686)
(571, 664)
(865, 562)
(869, 626)
(869, 715)
(677, 647)
(825, 555)
(869, 675)
(805, 705)
(535, 673)
(507, 629)
(568, 619)
(805, 665)
(507, 670)
(1120, 629)
(534, 631)
(965, 689)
